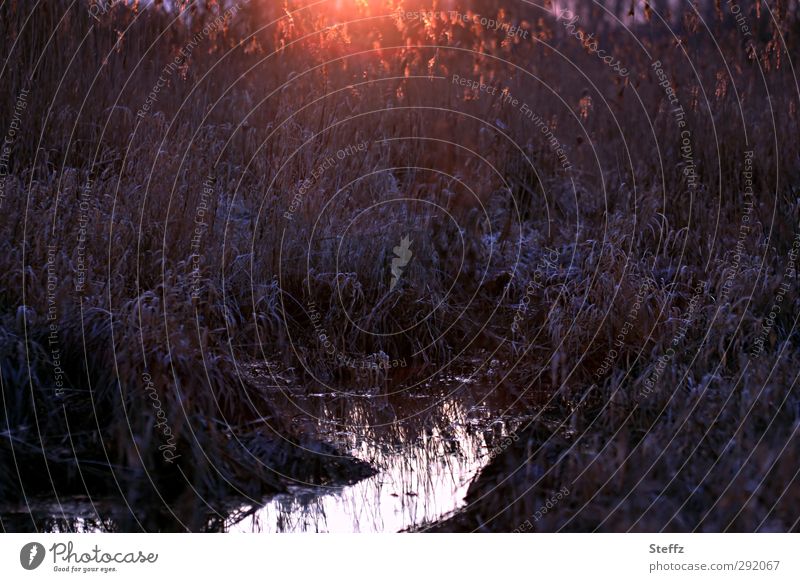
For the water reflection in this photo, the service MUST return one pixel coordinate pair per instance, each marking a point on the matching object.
(426, 444)
(74, 515)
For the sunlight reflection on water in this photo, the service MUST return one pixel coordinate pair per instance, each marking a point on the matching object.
(426, 445)
(417, 482)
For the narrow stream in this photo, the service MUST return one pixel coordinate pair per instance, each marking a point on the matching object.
(416, 483)
(427, 446)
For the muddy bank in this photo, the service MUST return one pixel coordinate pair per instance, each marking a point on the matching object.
(170, 448)
(613, 466)
(85, 494)
(359, 461)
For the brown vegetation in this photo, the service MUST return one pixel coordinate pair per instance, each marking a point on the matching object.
(209, 167)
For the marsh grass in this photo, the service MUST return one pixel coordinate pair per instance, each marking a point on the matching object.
(259, 108)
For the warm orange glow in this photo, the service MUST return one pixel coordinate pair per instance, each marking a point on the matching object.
(350, 5)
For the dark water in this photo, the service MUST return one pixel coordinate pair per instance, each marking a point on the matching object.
(426, 443)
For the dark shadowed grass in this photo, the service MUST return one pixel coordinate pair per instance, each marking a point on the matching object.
(193, 271)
